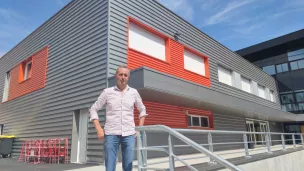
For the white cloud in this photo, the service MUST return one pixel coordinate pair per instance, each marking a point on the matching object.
(249, 29)
(226, 13)
(11, 16)
(181, 7)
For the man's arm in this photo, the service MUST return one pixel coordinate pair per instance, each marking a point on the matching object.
(94, 116)
(141, 108)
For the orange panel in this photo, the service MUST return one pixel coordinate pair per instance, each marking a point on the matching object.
(169, 115)
(37, 79)
(174, 64)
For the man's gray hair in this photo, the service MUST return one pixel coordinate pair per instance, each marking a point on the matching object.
(122, 66)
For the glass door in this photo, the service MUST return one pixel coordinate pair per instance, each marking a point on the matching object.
(263, 128)
(250, 128)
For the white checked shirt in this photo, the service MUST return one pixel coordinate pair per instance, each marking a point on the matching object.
(119, 110)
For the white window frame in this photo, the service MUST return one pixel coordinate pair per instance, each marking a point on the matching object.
(139, 39)
(1, 129)
(250, 88)
(194, 63)
(225, 70)
(26, 70)
(264, 88)
(6, 87)
(198, 116)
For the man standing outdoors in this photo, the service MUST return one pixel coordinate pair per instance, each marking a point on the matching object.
(119, 127)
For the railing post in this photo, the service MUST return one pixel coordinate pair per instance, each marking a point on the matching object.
(171, 157)
(210, 147)
(302, 141)
(283, 142)
(139, 156)
(145, 152)
(293, 140)
(268, 143)
(246, 146)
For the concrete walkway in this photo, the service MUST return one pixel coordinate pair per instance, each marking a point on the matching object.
(14, 165)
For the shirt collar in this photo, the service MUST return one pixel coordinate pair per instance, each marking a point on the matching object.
(116, 88)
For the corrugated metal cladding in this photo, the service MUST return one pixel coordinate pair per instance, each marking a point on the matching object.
(77, 40)
(170, 115)
(155, 15)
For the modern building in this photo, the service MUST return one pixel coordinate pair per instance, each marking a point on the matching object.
(283, 58)
(186, 78)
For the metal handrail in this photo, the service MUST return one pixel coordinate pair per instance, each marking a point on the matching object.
(186, 140)
(142, 151)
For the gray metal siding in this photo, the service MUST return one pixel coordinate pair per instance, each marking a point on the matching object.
(77, 39)
(155, 15)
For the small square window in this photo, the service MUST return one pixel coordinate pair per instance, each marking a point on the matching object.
(204, 122)
(198, 121)
(195, 121)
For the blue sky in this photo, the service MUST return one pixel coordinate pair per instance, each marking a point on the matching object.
(235, 23)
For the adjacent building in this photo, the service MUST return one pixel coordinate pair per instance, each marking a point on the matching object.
(283, 58)
(186, 78)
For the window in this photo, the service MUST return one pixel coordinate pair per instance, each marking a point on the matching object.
(25, 70)
(225, 75)
(287, 98)
(301, 64)
(269, 70)
(200, 121)
(272, 97)
(146, 42)
(6, 87)
(301, 107)
(261, 91)
(297, 65)
(194, 63)
(300, 97)
(289, 107)
(282, 68)
(295, 55)
(28, 70)
(294, 65)
(246, 84)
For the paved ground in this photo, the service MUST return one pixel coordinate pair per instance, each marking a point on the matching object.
(9, 164)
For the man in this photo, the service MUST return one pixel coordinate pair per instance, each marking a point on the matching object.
(119, 126)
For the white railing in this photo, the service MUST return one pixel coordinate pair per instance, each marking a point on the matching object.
(143, 148)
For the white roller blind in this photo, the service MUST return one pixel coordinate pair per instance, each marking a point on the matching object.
(225, 76)
(194, 63)
(246, 86)
(146, 42)
(272, 96)
(6, 87)
(261, 91)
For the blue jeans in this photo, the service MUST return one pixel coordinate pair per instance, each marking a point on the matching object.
(111, 145)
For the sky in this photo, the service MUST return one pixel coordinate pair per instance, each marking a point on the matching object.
(234, 23)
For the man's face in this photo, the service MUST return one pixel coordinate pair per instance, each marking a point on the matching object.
(122, 76)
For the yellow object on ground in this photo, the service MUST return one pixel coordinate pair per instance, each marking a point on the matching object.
(7, 136)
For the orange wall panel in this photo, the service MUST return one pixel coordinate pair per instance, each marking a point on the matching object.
(37, 79)
(174, 64)
(169, 115)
